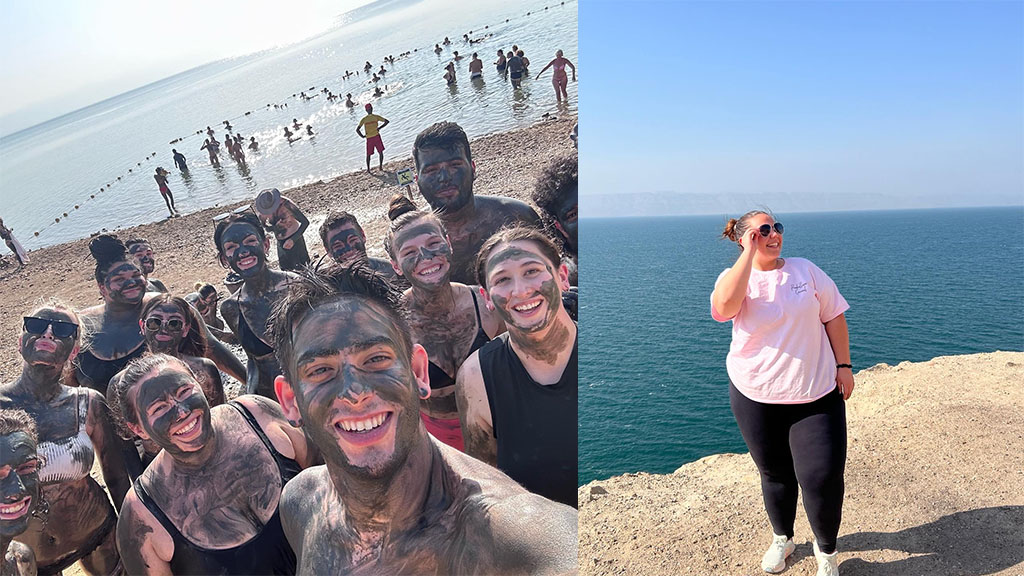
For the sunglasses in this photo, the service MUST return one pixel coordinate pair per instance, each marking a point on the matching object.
(60, 329)
(173, 325)
(766, 229)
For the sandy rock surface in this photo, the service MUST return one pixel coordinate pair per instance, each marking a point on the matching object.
(506, 165)
(934, 486)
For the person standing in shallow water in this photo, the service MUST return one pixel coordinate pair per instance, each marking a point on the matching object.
(444, 174)
(517, 395)
(179, 160)
(558, 76)
(390, 498)
(165, 191)
(790, 376)
(372, 135)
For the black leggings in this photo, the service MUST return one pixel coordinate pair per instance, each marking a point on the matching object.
(798, 445)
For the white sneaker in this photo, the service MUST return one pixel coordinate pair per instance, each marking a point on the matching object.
(828, 564)
(774, 560)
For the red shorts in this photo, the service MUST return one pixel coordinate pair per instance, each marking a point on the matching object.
(374, 143)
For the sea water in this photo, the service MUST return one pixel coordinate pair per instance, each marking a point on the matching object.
(653, 384)
(49, 169)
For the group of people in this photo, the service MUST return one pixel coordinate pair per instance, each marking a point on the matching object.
(516, 66)
(379, 396)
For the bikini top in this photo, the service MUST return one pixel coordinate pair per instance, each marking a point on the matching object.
(438, 377)
(248, 338)
(559, 66)
(268, 552)
(68, 459)
(100, 371)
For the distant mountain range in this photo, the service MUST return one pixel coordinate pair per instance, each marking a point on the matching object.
(681, 204)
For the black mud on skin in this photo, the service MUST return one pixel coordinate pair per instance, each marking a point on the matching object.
(165, 386)
(18, 450)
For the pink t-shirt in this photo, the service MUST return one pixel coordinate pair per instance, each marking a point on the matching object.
(780, 353)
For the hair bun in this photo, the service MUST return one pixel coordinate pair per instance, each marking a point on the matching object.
(730, 229)
(107, 248)
(399, 205)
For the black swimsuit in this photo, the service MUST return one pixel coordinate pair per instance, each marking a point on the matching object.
(266, 553)
(438, 377)
(100, 371)
(248, 338)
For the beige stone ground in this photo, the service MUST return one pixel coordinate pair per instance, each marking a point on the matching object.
(934, 486)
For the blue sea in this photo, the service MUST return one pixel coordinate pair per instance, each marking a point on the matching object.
(61, 166)
(653, 385)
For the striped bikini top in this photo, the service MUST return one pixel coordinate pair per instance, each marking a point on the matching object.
(68, 459)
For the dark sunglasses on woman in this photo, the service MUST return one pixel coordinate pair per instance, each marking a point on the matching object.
(173, 325)
(60, 329)
(766, 229)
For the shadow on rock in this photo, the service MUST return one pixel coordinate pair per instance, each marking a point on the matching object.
(971, 543)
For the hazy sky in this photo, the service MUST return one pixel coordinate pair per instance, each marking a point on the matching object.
(803, 97)
(59, 55)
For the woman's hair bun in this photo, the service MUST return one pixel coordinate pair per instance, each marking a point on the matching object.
(107, 248)
(399, 205)
(730, 229)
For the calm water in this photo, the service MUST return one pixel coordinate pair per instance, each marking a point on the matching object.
(652, 361)
(47, 170)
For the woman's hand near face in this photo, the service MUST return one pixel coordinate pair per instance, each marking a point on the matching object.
(751, 242)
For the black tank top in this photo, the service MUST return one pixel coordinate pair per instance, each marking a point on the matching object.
(535, 425)
(266, 553)
(100, 371)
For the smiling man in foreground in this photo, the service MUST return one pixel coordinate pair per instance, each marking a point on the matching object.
(391, 499)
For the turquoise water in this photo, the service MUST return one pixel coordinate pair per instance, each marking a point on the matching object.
(653, 386)
(49, 169)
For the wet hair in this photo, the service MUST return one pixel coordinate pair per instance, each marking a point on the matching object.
(16, 420)
(246, 217)
(316, 287)
(402, 212)
(555, 182)
(107, 250)
(128, 244)
(335, 220)
(204, 289)
(194, 343)
(520, 53)
(735, 228)
(510, 234)
(445, 135)
(121, 411)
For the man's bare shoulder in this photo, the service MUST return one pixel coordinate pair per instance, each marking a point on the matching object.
(530, 533)
(507, 208)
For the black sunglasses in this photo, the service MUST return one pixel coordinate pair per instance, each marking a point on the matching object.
(766, 229)
(60, 329)
(173, 325)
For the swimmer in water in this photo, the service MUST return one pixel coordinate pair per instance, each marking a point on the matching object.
(559, 78)
(476, 67)
(348, 101)
(165, 191)
(253, 144)
(500, 63)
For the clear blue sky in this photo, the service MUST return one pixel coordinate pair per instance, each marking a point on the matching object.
(775, 97)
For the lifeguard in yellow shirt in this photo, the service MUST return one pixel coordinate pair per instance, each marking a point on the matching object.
(373, 141)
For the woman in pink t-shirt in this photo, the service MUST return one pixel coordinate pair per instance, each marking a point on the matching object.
(790, 374)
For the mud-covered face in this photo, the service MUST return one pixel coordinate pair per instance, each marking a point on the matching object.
(173, 411)
(568, 218)
(46, 348)
(354, 386)
(19, 482)
(346, 243)
(423, 254)
(164, 328)
(242, 249)
(524, 286)
(445, 177)
(124, 284)
(143, 255)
